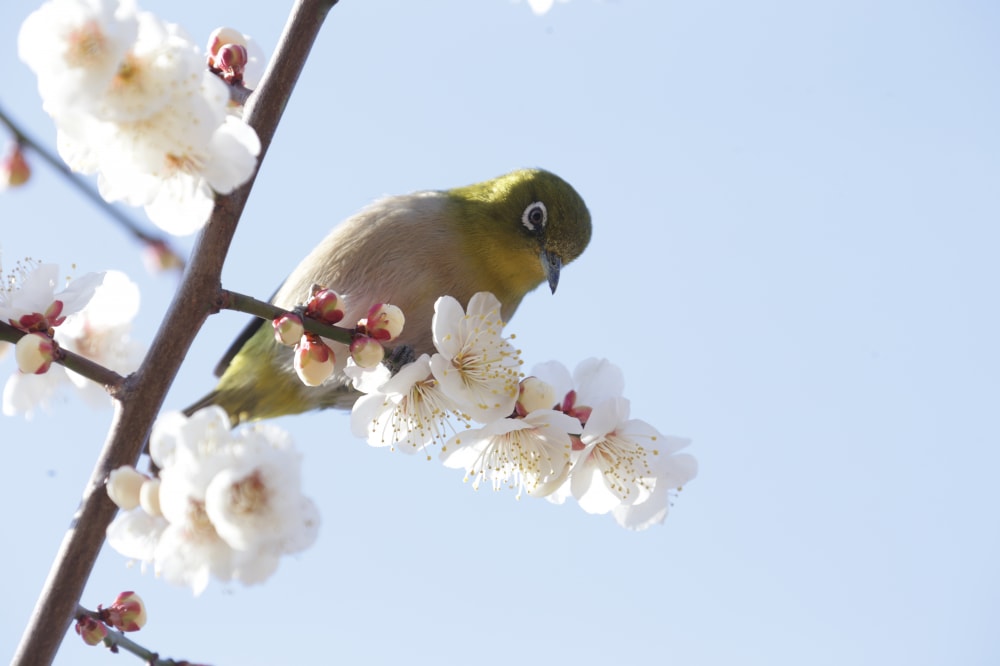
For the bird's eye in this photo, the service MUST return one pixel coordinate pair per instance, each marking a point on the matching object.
(535, 216)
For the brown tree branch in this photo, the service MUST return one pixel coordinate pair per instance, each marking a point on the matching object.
(143, 392)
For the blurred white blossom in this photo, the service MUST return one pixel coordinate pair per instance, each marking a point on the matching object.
(231, 502)
(540, 7)
(99, 331)
(133, 101)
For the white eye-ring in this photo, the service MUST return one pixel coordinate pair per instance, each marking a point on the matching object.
(535, 216)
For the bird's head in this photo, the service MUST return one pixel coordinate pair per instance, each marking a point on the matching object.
(523, 227)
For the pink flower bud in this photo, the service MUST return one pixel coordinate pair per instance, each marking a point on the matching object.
(534, 394)
(35, 353)
(123, 486)
(230, 63)
(367, 352)
(92, 631)
(325, 305)
(14, 169)
(288, 329)
(222, 36)
(127, 613)
(385, 322)
(314, 361)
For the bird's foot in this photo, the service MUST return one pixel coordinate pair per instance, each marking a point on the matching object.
(398, 357)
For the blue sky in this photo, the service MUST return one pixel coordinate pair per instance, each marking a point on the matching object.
(793, 261)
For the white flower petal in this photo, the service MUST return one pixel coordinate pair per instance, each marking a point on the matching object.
(24, 394)
(232, 159)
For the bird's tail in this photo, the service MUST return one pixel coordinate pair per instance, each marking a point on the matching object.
(206, 401)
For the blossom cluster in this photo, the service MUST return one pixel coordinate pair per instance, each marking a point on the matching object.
(91, 316)
(314, 359)
(226, 504)
(126, 614)
(134, 102)
(550, 434)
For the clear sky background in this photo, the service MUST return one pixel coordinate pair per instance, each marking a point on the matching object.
(794, 261)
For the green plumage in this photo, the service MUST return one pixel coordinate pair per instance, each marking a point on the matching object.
(409, 250)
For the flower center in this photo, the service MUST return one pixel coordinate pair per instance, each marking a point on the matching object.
(248, 495)
(87, 44)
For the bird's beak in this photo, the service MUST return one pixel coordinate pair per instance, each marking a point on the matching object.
(551, 264)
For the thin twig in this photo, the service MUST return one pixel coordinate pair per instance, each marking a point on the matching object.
(117, 640)
(109, 379)
(83, 186)
(231, 300)
(144, 391)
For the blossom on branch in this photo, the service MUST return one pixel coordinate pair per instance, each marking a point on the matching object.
(408, 411)
(552, 434)
(92, 317)
(530, 454)
(621, 465)
(231, 502)
(477, 366)
(133, 101)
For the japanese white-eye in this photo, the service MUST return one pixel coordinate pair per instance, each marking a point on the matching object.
(505, 236)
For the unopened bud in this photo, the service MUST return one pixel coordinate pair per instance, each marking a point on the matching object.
(92, 631)
(534, 394)
(35, 353)
(222, 36)
(325, 305)
(385, 322)
(123, 486)
(14, 168)
(230, 62)
(149, 497)
(127, 613)
(288, 329)
(367, 352)
(158, 258)
(314, 361)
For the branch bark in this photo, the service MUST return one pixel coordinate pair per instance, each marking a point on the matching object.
(142, 393)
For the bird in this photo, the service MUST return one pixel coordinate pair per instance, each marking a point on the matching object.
(506, 235)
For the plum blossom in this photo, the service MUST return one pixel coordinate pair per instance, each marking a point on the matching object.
(626, 465)
(133, 102)
(621, 465)
(75, 48)
(29, 299)
(408, 411)
(231, 503)
(531, 454)
(553, 434)
(476, 366)
(99, 331)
